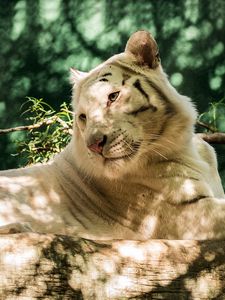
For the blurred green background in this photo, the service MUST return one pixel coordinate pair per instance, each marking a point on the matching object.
(41, 39)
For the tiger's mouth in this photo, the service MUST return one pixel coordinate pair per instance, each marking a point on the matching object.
(125, 157)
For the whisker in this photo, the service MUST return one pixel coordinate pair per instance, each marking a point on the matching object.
(160, 154)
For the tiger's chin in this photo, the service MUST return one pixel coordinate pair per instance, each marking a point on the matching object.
(113, 167)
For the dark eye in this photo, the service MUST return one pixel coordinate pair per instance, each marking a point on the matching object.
(82, 117)
(113, 96)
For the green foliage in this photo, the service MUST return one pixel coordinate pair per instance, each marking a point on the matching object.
(214, 117)
(213, 120)
(49, 134)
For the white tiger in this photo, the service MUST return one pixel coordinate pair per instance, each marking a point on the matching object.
(134, 168)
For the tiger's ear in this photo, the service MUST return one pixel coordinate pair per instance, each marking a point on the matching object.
(143, 46)
(76, 75)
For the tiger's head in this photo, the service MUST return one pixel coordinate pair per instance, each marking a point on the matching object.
(126, 112)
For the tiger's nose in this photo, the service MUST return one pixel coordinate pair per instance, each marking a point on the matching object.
(98, 145)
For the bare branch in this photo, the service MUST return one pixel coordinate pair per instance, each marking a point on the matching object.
(213, 138)
(28, 127)
(45, 122)
(64, 125)
(205, 125)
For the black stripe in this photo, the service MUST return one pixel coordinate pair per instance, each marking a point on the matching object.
(106, 74)
(158, 91)
(138, 86)
(186, 202)
(125, 78)
(170, 110)
(194, 200)
(152, 84)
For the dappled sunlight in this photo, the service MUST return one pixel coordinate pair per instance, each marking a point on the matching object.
(31, 201)
(50, 11)
(44, 215)
(123, 269)
(15, 184)
(188, 187)
(21, 267)
(119, 284)
(40, 202)
(19, 20)
(209, 256)
(7, 209)
(19, 259)
(149, 225)
(109, 267)
(132, 268)
(48, 263)
(130, 250)
(206, 285)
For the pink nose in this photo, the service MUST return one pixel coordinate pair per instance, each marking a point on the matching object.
(98, 145)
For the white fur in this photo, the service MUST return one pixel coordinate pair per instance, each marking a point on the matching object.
(167, 187)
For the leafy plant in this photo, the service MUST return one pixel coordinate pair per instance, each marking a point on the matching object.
(49, 133)
(214, 117)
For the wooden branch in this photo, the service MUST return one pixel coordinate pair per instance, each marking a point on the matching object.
(45, 122)
(213, 138)
(34, 266)
(27, 127)
(205, 125)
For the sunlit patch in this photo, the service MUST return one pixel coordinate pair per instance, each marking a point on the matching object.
(188, 188)
(43, 215)
(19, 259)
(109, 266)
(49, 10)
(129, 249)
(12, 187)
(203, 286)
(209, 256)
(15, 184)
(149, 225)
(97, 115)
(7, 213)
(118, 285)
(155, 250)
(40, 201)
(54, 196)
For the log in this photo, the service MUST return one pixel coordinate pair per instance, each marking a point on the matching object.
(45, 266)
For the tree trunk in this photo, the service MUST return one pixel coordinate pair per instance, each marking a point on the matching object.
(38, 266)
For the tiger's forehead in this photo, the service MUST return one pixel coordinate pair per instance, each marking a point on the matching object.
(108, 73)
(120, 66)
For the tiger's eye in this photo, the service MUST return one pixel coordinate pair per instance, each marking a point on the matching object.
(113, 96)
